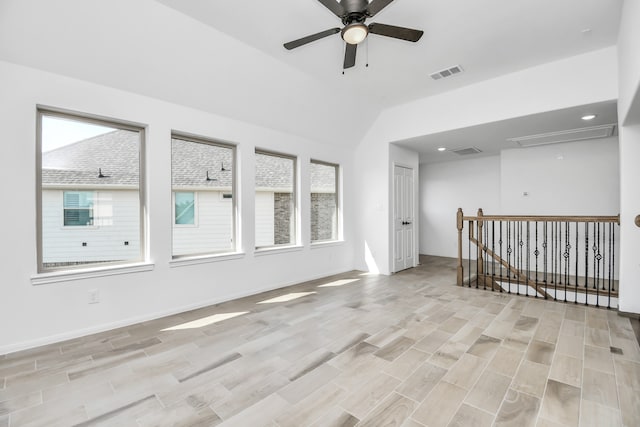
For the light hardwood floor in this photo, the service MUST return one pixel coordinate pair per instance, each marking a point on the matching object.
(407, 350)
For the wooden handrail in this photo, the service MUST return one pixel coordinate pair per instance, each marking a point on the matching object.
(544, 218)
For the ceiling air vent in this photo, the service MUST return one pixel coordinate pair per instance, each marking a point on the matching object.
(448, 72)
(580, 134)
(467, 151)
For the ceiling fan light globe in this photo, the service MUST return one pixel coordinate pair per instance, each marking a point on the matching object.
(354, 33)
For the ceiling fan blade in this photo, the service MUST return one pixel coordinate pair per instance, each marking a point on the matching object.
(396, 32)
(376, 6)
(350, 56)
(334, 7)
(308, 39)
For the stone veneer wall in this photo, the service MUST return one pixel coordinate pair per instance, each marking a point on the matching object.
(323, 212)
(282, 206)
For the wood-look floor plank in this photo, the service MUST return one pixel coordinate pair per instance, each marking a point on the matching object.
(411, 350)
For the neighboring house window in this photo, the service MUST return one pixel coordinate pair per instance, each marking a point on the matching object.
(275, 212)
(324, 201)
(78, 208)
(185, 207)
(89, 181)
(202, 173)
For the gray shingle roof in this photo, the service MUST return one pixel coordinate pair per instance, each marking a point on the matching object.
(191, 162)
(116, 155)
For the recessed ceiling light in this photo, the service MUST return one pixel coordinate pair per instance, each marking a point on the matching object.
(441, 149)
(588, 117)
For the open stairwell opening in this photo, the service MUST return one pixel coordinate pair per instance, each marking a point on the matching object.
(562, 258)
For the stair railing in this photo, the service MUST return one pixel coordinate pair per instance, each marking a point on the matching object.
(563, 258)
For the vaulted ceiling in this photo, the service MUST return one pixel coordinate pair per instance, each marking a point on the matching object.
(228, 58)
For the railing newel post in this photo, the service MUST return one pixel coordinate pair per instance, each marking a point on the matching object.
(460, 226)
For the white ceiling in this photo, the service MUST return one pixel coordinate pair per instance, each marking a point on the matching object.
(491, 138)
(488, 38)
(227, 58)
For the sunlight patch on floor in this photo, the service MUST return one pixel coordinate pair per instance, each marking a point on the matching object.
(205, 321)
(338, 283)
(285, 298)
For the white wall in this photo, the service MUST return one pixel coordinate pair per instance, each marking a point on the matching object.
(575, 178)
(629, 208)
(629, 117)
(629, 60)
(579, 80)
(585, 181)
(445, 187)
(54, 311)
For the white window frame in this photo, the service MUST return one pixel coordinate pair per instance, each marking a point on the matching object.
(338, 203)
(294, 242)
(100, 268)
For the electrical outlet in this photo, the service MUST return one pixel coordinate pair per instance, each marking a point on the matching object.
(94, 296)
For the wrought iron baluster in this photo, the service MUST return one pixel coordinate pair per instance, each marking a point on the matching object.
(469, 254)
(509, 250)
(567, 248)
(586, 262)
(500, 244)
(536, 253)
(609, 259)
(575, 294)
(613, 258)
(535, 293)
(493, 250)
(544, 250)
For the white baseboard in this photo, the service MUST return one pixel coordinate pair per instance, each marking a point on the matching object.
(52, 339)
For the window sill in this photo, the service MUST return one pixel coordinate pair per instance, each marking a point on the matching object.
(325, 244)
(204, 259)
(68, 275)
(278, 250)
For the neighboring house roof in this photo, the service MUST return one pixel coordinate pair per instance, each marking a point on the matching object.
(115, 154)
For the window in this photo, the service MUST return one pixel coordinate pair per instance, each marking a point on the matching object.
(275, 213)
(78, 208)
(202, 182)
(324, 201)
(90, 198)
(184, 207)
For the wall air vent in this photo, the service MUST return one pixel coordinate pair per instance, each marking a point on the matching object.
(580, 134)
(467, 151)
(447, 72)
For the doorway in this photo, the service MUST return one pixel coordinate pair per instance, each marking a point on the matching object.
(403, 219)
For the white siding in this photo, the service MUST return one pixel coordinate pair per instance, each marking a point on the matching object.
(212, 231)
(116, 221)
(264, 219)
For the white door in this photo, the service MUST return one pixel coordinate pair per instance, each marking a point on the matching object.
(403, 245)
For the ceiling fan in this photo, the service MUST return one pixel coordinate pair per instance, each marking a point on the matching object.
(353, 14)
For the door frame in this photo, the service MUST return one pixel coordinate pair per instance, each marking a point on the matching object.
(416, 222)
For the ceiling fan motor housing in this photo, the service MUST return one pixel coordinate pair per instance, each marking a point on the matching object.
(355, 11)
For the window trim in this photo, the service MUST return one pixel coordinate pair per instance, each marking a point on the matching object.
(338, 203)
(234, 248)
(48, 111)
(295, 241)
